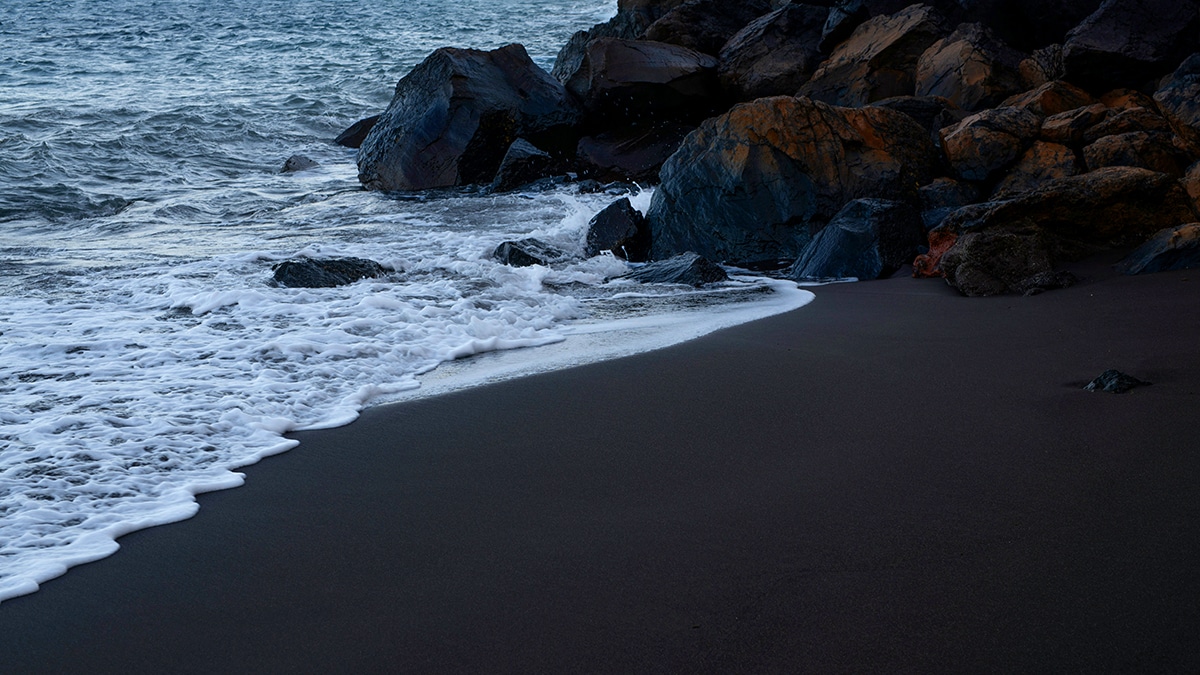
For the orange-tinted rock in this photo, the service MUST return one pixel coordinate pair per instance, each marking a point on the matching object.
(756, 183)
(1152, 150)
(1179, 99)
(1041, 163)
(878, 60)
(1068, 128)
(988, 142)
(1051, 98)
(1042, 66)
(1126, 121)
(971, 67)
(775, 54)
(1127, 98)
(929, 265)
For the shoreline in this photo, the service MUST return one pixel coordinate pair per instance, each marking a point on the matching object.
(893, 477)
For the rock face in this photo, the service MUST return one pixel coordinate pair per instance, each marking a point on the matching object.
(984, 144)
(878, 60)
(636, 82)
(620, 229)
(971, 67)
(685, 268)
(1041, 163)
(1050, 98)
(356, 133)
(933, 113)
(1179, 99)
(868, 239)
(633, 154)
(527, 252)
(298, 163)
(944, 196)
(1127, 43)
(993, 262)
(775, 54)
(758, 182)
(1176, 248)
(1152, 150)
(1191, 183)
(1068, 128)
(456, 114)
(523, 163)
(705, 25)
(326, 272)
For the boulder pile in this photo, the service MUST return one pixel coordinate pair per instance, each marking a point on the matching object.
(983, 142)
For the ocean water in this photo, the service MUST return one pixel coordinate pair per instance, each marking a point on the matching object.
(145, 354)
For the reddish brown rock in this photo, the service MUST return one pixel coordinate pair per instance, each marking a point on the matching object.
(988, 142)
(1041, 163)
(775, 54)
(705, 25)
(1128, 43)
(1051, 98)
(757, 182)
(878, 60)
(624, 82)
(1151, 150)
(1126, 121)
(1124, 98)
(971, 67)
(1179, 99)
(1068, 128)
(455, 115)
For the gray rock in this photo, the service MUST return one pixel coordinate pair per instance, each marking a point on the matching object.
(775, 54)
(621, 229)
(354, 136)
(523, 164)
(526, 252)
(1179, 99)
(1114, 381)
(868, 239)
(1174, 248)
(685, 268)
(325, 272)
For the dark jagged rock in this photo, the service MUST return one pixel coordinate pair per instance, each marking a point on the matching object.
(523, 164)
(325, 272)
(706, 25)
(456, 114)
(1176, 248)
(632, 154)
(934, 113)
(757, 182)
(868, 239)
(775, 54)
(685, 268)
(944, 196)
(526, 252)
(1114, 381)
(298, 163)
(1049, 99)
(1101, 210)
(1128, 43)
(878, 60)
(971, 67)
(636, 82)
(983, 145)
(1041, 163)
(621, 229)
(1002, 260)
(1042, 66)
(1152, 150)
(1179, 99)
(1125, 121)
(354, 136)
(1068, 128)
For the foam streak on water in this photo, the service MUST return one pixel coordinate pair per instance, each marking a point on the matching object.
(144, 353)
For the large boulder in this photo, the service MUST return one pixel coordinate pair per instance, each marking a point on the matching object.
(1050, 98)
(631, 21)
(774, 54)
(630, 154)
(1127, 121)
(1179, 99)
(1041, 163)
(706, 25)
(971, 67)
(620, 229)
(636, 82)
(325, 272)
(1069, 128)
(944, 196)
(1128, 43)
(455, 115)
(1152, 150)
(1002, 260)
(983, 145)
(523, 164)
(867, 239)
(1175, 248)
(757, 182)
(879, 59)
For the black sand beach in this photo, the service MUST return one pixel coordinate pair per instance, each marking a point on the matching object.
(892, 479)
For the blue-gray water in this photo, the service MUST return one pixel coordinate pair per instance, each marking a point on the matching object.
(144, 354)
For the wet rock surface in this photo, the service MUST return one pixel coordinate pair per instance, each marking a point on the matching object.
(685, 268)
(325, 272)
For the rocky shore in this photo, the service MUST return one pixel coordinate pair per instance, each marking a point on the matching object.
(986, 143)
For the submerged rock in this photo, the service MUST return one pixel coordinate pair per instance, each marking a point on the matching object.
(356, 133)
(1115, 381)
(685, 268)
(298, 163)
(1176, 248)
(325, 272)
(621, 229)
(868, 239)
(526, 252)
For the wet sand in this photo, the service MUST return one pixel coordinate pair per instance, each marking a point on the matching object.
(893, 478)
